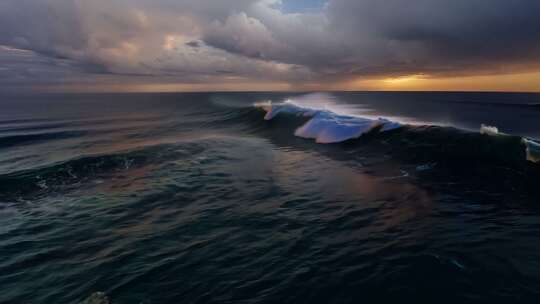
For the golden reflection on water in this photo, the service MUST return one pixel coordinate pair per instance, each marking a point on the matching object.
(340, 182)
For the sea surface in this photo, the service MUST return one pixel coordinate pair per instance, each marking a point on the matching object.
(356, 197)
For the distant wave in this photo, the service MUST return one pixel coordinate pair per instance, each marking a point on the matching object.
(530, 106)
(19, 139)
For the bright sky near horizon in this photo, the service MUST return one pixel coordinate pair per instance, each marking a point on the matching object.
(249, 45)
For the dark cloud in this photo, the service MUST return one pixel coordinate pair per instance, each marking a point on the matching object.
(22, 66)
(194, 43)
(446, 35)
(202, 40)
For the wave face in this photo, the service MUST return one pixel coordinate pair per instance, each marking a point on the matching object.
(302, 198)
(533, 150)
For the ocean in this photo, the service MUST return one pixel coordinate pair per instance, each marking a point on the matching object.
(331, 197)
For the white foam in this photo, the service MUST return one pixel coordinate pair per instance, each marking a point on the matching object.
(326, 126)
(489, 130)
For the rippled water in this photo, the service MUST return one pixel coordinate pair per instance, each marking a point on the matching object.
(195, 198)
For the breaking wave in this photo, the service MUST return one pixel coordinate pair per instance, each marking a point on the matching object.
(326, 126)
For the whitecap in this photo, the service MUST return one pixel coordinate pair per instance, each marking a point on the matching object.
(488, 130)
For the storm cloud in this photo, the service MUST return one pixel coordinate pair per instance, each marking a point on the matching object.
(208, 41)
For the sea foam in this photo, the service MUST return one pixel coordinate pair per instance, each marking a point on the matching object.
(489, 130)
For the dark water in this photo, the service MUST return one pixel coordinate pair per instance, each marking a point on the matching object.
(195, 198)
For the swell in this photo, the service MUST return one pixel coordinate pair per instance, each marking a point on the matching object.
(529, 106)
(20, 139)
(76, 171)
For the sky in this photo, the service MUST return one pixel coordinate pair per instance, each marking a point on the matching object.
(273, 45)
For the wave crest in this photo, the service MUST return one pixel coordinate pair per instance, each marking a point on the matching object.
(488, 130)
(326, 126)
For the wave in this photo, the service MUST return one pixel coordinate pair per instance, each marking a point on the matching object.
(487, 161)
(529, 106)
(57, 176)
(15, 140)
(326, 126)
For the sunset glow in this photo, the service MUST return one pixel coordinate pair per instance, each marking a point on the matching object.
(267, 45)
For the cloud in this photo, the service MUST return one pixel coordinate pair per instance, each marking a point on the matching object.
(448, 36)
(23, 66)
(206, 41)
(243, 35)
